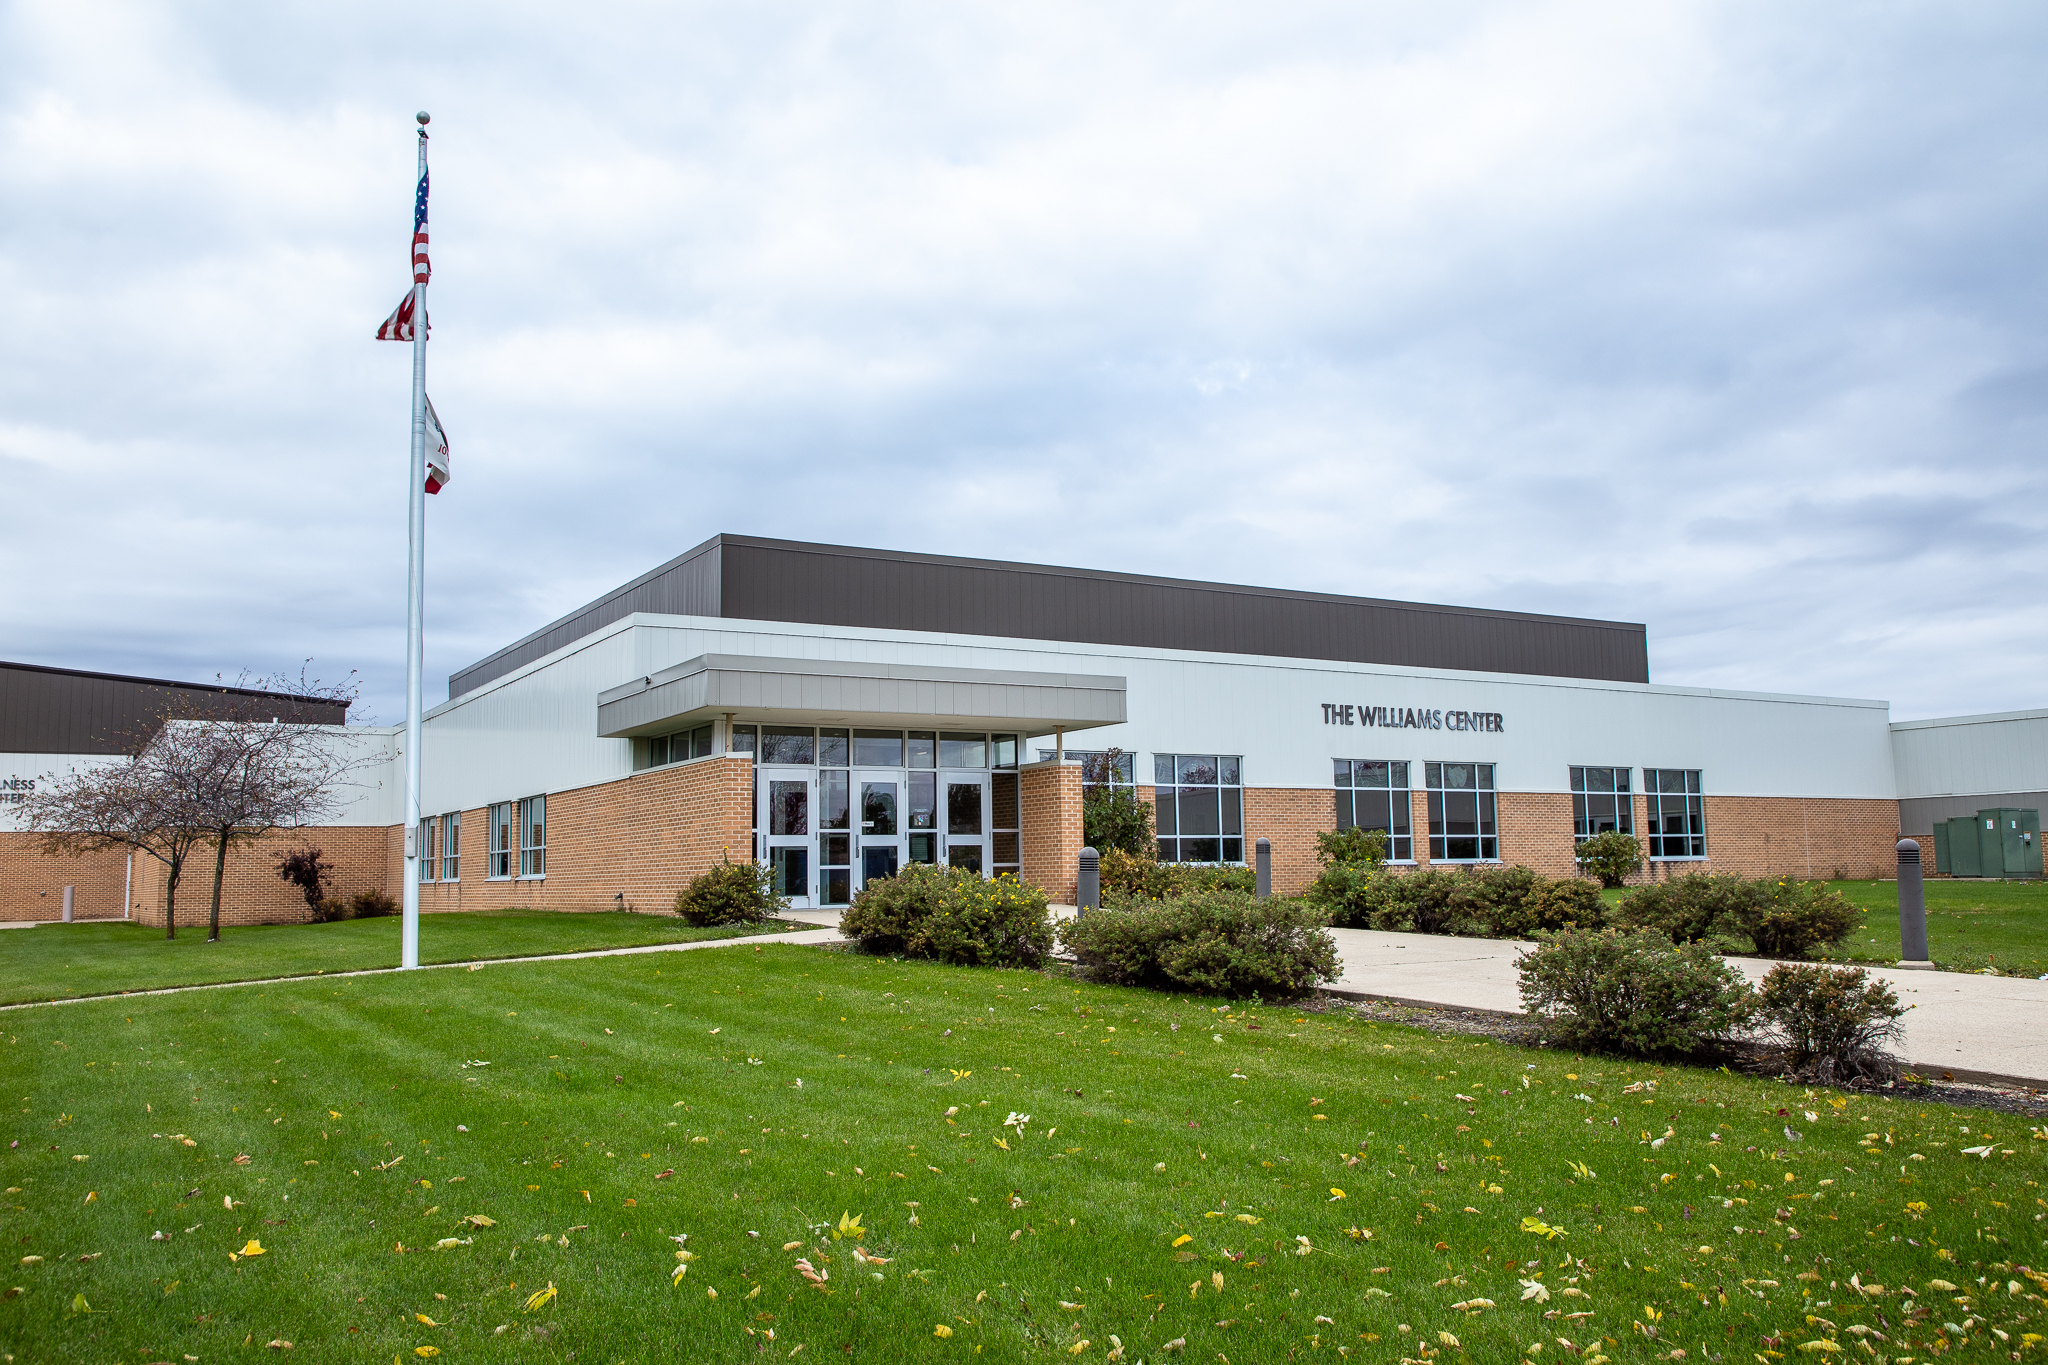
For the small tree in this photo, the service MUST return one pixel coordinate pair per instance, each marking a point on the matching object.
(1612, 856)
(119, 805)
(1112, 816)
(247, 776)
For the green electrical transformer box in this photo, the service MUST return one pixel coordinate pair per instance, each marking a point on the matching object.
(1997, 842)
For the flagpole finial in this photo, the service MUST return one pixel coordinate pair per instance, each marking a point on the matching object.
(424, 117)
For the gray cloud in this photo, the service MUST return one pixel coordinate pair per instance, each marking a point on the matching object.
(1721, 318)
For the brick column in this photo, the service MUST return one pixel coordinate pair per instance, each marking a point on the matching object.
(1418, 825)
(1052, 827)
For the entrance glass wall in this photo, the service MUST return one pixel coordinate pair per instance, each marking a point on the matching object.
(837, 808)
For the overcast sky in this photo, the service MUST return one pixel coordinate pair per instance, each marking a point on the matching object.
(1725, 318)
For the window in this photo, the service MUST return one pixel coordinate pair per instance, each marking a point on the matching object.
(1462, 826)
(451, 846)
(1678, 823)
(426, 850)
(1372, 793)
(1199, 807)
(533, 837)
(680, 747)
(1005, 824)
(1100, 767)
(1601, 803)
(502, 840)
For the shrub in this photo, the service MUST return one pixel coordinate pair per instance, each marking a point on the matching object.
(1688, 909)
(308, 871)
(1214, 942)
(1612, 857)
(1114, 818)
(1353, 845)
(1129, 877)
(730, 893)
(371, 904)
(1791, 918)
(1836, 1020)
(1635, 993)
(1556, 903)
(952, 915)
(1351, 894)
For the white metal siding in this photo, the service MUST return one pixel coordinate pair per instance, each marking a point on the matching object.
(535, 729)
(1972, 755)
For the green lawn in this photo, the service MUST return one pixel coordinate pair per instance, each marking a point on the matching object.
(1970, 924)
(55, 961)
(417, 1157)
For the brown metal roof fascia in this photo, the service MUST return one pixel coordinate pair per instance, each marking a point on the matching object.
(754, 578)
(45, 710)
(780, 580)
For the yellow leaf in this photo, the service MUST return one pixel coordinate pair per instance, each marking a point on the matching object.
(1078, 1347)
(422, 1317)
(541, 1298)
(1000, 1143)
(1336, 1193)
(426, 1352)
(849, 1226)
(1247, 1218)
(1182, 1240)
(255, 1248)
(681, 1270)
(942, 1331)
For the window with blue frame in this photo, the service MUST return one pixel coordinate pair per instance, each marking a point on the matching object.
(1199, 807)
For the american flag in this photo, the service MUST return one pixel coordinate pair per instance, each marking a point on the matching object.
(421, 267)
(398, 327)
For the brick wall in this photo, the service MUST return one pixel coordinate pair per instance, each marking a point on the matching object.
(1052, 827)
(1290, 818)
(364, 857)
(632, 844)
(32, 883)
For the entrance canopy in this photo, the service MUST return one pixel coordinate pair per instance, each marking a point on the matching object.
(832, 690)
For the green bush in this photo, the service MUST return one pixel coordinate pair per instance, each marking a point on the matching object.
(950, 914)
(1114, 818)
(1789, 918)
(1353, 845)
(1688, 909)
(1836, 1020)
(1213, 942)
(730, 893)
(1612, 857)
(1634, 993)
(1131, 877)
(1351, 894)
(1554, 903)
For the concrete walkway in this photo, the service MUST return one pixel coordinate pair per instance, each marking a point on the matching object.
(1977, 1028)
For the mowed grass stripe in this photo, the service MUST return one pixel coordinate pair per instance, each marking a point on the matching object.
(564, 1107)
(68, 961)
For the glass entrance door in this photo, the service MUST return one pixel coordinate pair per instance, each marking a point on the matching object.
(966, 816)
(881, 825)
(786, 816)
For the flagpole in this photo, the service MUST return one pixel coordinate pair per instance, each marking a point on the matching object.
(415, 605)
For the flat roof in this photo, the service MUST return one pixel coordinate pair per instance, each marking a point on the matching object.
(758, 579)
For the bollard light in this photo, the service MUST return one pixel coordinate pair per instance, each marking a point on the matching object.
(1262, 860)
(1088, 883)
(1912, 908)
